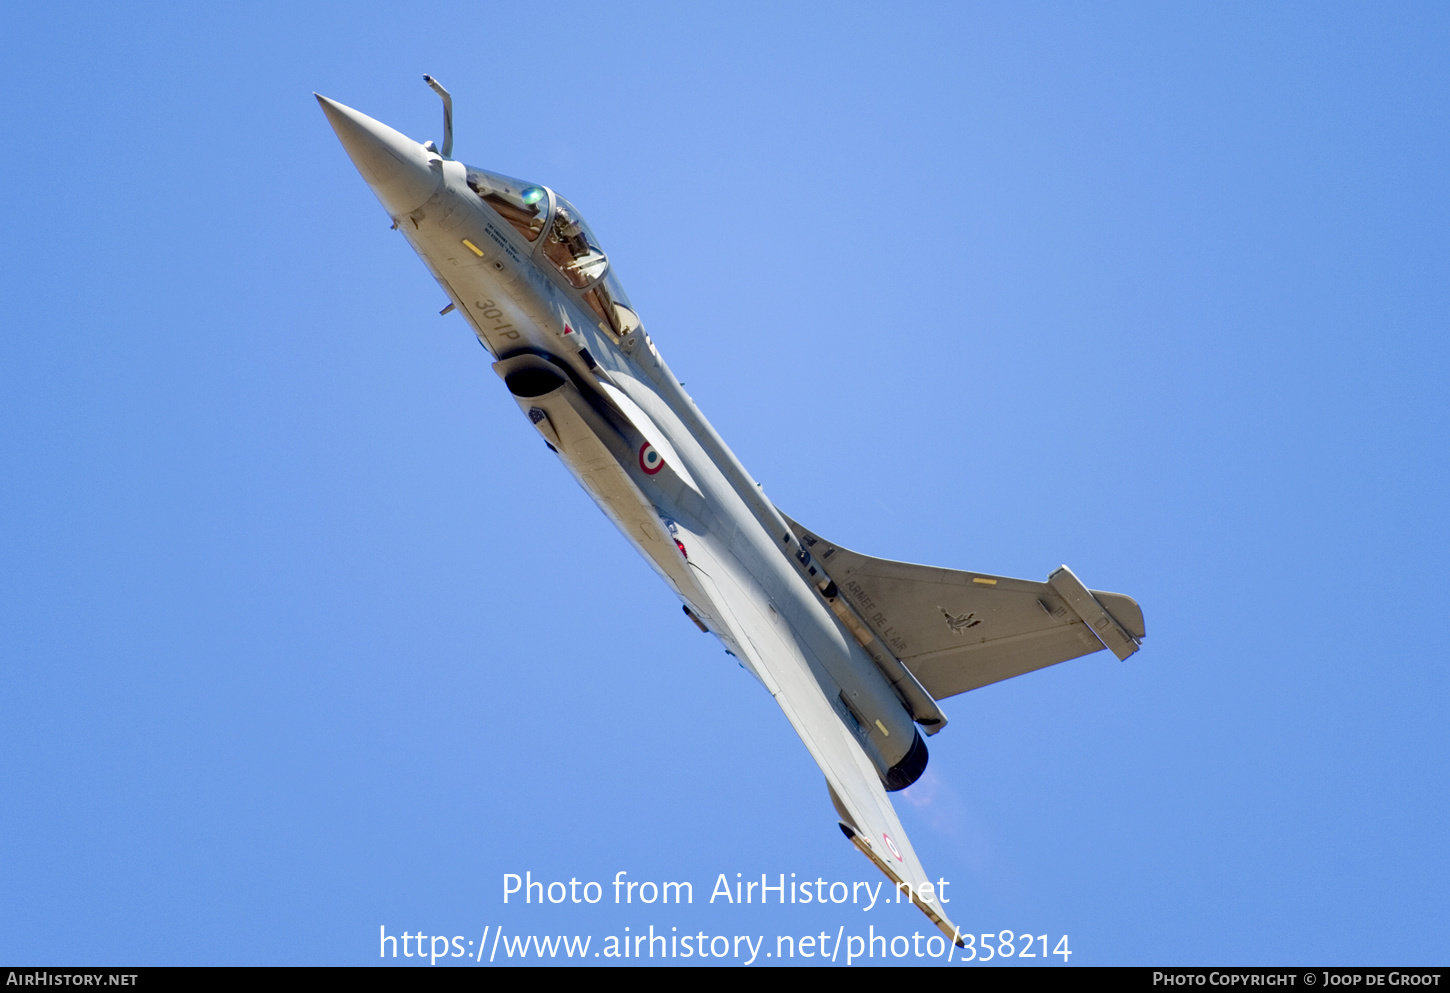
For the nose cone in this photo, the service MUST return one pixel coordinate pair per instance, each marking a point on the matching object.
(394, 165)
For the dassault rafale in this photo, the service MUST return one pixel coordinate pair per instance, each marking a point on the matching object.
(857, 651)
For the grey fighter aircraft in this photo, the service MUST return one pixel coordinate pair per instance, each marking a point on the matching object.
(857, 651)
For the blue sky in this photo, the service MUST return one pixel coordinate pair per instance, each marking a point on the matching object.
(303, 633)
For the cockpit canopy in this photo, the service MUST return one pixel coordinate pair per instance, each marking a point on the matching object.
(569, 245)
(523, 205)
(572, 247)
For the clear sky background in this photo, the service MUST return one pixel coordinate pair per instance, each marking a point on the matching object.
(303, 631)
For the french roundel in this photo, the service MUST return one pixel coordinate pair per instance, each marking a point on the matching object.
(892, 845)
(649, 459)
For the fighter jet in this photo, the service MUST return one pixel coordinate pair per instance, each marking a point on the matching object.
(857, 651)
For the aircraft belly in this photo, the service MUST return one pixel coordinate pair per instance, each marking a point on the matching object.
(771, 648)
(759, 597)
(843, 668)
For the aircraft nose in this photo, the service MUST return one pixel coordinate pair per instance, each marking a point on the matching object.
(395, 166)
